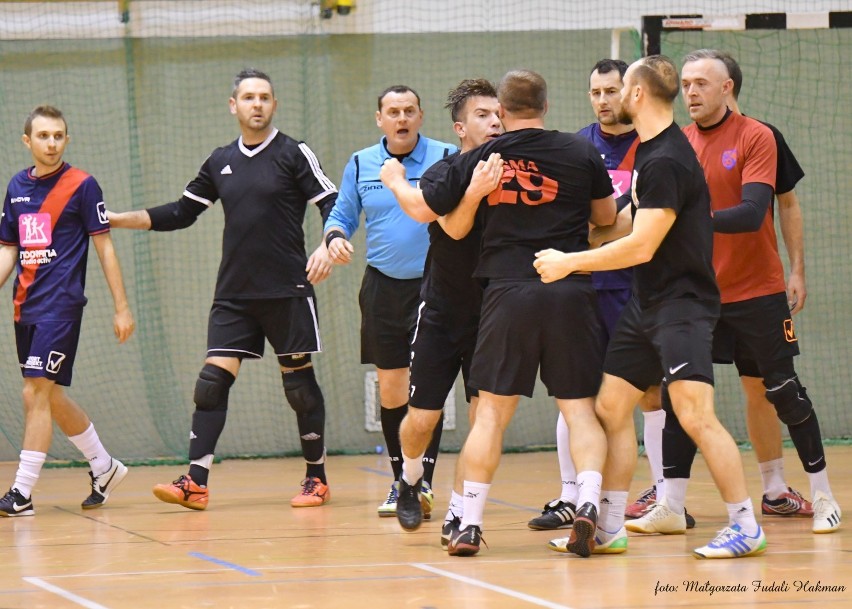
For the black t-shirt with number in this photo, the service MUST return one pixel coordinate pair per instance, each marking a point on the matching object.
(667, 175)
(543, 201)
(448, 284)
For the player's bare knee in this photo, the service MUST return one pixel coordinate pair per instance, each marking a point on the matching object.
(302, 391)
(212, 388)
(790, 400)
(423, 420)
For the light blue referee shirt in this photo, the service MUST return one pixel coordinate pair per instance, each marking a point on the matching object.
(396, 244)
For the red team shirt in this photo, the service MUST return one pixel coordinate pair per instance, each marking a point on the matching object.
(50, 219)
(739, 151)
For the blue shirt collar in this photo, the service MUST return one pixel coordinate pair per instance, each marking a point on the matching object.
(418, 155)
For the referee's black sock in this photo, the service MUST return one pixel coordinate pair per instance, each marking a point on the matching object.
(391, 421)
(431, 454)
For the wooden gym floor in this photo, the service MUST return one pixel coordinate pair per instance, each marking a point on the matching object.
(250, 549)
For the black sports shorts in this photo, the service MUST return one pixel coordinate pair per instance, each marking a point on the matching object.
(388, 316)
(237, 327)
(527, 325)
(672, 341)
(755, 333)
(442, 345)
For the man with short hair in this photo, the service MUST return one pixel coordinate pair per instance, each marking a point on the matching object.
(667, 329)
(49, 213)
(396, 255)
(264, 289)
(554, 184)
(617, 144)
(448, 316)
(755, 328)
(779, 499)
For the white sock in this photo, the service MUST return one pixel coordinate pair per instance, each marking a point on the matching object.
(475, 495)
(743, 514)
(206, 462)
(567, 471)
(90, 445)
(589, 483)
(819, 482)
(412, 468)
(653, 436)
(611, 517)
(676, 494)
(456, 509)
(29, 468)
(772, 474)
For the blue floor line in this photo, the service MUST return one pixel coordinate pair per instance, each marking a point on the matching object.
(225, 563)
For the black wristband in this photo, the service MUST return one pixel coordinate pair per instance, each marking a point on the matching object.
(334, 234)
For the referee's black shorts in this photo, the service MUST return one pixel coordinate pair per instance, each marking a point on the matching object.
(672, 341)
(388, 316)
(754, 334)
(443, 344)
(237, 327)
(529, 324)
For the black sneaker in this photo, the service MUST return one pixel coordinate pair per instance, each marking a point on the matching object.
(582, 539)
(104, 484)
(690, 521)
(409, 512)
(557, 514)
(14, 503)
(465, 542)
(450, 528)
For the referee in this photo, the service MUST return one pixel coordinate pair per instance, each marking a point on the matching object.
(264, 289)
(396, 255)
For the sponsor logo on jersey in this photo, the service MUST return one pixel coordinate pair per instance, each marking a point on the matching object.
(370, 187)
(226, 170)
(102, 213)
(54, 361)
(34, 229)
(33, 363)
(729, 159)
(620, 181)
(14, 200)
(33, 257)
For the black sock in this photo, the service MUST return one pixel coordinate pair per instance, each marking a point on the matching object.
(311, 426)
(305, 398)
(678, 448)
(199, 474)
(207, 426)
(431, 454)
(807, 439)
(391, 421)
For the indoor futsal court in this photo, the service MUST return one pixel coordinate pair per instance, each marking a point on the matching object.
(145, 86)
(251, 549)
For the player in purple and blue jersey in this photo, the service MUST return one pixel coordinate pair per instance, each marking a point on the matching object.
(50, 211)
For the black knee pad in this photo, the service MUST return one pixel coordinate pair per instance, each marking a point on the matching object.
(212, 388)
(302, 391)
(790, 400)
